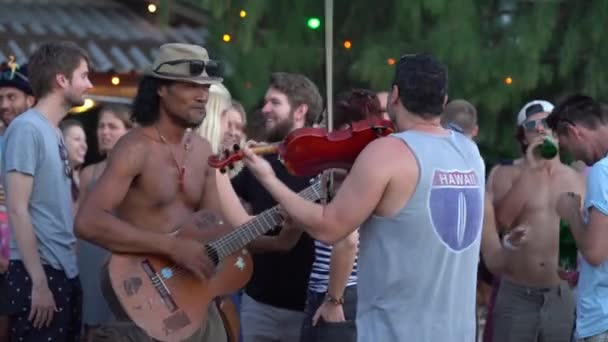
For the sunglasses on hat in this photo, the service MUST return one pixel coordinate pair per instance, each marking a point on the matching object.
(196, 67)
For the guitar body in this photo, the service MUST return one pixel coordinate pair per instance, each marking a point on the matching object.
(171, 304)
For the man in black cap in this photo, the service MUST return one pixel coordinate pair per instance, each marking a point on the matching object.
(15, 98)
(16, 94)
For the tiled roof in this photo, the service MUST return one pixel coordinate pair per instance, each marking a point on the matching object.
(116, 38)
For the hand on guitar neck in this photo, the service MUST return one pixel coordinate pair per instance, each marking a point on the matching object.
(287, 238)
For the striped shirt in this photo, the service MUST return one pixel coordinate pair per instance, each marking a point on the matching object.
(319, 276)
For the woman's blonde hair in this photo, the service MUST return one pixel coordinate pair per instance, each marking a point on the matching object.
(219, 100)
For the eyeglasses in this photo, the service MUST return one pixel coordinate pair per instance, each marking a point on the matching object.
(196, 67)
(532, 124)
(63, 153)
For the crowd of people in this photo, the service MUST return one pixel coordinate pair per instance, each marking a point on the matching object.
(401, 249)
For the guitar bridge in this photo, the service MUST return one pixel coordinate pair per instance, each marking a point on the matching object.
(159, 285)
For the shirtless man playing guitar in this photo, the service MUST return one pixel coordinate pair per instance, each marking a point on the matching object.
(157, 178)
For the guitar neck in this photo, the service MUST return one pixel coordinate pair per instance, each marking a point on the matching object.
(258, 226)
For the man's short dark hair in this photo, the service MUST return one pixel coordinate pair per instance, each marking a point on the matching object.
(462, 113)
(51, 59)
(299, 90)
(423, 84)
(577, 109)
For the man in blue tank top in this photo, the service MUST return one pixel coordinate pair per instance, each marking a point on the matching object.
(418, 197)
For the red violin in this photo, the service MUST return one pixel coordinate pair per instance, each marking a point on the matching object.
(309, 151)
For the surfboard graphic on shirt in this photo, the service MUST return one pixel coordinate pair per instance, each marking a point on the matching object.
(456, 207)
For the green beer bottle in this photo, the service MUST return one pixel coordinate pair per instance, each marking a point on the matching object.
(548, 149)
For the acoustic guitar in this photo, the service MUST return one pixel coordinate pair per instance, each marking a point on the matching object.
(170, 303)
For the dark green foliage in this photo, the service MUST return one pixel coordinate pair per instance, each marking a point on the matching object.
(548, 47)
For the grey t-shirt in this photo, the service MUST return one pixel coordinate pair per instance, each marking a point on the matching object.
(32, 147)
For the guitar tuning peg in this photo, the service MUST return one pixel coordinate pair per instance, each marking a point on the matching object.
(231, 166)
(223, 170)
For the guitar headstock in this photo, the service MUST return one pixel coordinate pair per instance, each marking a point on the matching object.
(226, 158)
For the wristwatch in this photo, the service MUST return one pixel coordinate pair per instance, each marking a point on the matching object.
(334, 300)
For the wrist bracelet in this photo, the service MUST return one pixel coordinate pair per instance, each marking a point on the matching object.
(333, 300)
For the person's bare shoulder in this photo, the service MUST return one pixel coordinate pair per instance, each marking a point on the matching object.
(131, 149)
(390, 156)
(504, 173)
(200, 144)
(501, 179)
(86, 173)
(572, 175)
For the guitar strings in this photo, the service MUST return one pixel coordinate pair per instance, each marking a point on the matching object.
(227, 240)
(312, 193)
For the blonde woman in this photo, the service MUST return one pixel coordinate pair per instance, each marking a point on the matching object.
(224, 124)
(219, 100)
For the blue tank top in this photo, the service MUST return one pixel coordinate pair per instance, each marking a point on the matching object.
(418, 268)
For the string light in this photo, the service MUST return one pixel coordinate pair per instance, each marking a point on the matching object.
(226, 37)
(115, 80)
(508, 80)
(313, 23)
(242, 14)
(88, 104)
(390, 61)
(152, 8)
(348, 44)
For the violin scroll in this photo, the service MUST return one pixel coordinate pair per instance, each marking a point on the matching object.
(227, 158)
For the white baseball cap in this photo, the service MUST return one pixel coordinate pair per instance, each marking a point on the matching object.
(533, 107)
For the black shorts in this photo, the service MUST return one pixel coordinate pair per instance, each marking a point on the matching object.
(66, 323)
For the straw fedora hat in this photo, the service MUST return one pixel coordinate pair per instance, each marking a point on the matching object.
(186, 63)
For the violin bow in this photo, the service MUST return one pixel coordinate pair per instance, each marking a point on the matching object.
(329, 120)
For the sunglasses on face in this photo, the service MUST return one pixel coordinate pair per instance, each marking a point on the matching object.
(196, 67)
(63, 153)
(532, 124)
